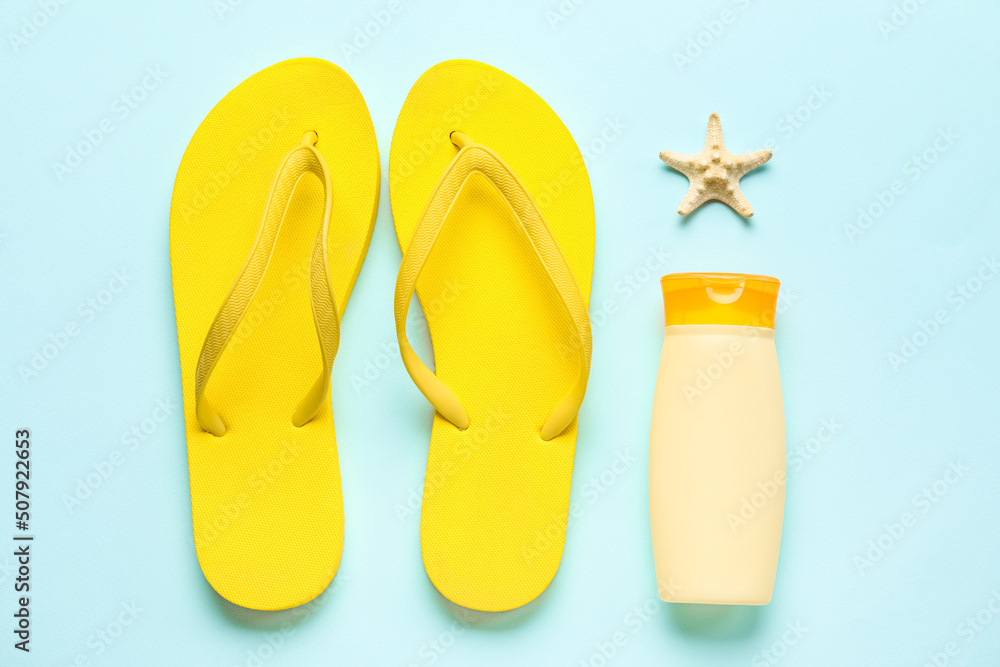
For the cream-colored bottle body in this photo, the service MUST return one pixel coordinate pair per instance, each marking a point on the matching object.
(717, 465)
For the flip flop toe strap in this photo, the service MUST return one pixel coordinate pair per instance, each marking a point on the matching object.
(301, 160)
(475, 158)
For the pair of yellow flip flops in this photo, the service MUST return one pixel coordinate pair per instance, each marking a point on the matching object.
(494, 216)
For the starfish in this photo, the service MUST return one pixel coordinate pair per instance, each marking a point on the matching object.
(715, 173)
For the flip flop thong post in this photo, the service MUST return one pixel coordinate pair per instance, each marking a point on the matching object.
(494, 215)
(271, 217)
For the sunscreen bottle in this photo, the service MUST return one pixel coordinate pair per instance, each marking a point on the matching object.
(717, 443)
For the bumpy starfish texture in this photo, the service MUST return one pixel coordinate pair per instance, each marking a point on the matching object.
(715, 173)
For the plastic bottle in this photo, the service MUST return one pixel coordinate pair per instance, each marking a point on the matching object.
(717, 444)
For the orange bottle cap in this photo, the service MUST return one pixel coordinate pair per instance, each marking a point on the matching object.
(720, 298)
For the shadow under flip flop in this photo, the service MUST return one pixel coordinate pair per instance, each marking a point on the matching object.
(492, 620)
(280, 620)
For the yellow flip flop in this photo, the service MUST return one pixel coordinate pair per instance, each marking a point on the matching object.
(291, 149)
(494, 215)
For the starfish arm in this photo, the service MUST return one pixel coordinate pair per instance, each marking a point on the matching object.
(750, 161)
(713, 138)
(736, 201)
(692, 200)
(682, 162)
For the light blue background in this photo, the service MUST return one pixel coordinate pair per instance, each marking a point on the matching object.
(849, 304)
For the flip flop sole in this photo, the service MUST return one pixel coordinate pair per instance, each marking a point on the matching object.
(496, 495)
(266, 497)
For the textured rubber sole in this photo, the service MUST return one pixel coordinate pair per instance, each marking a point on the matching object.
(266, 499)
(496, 495)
